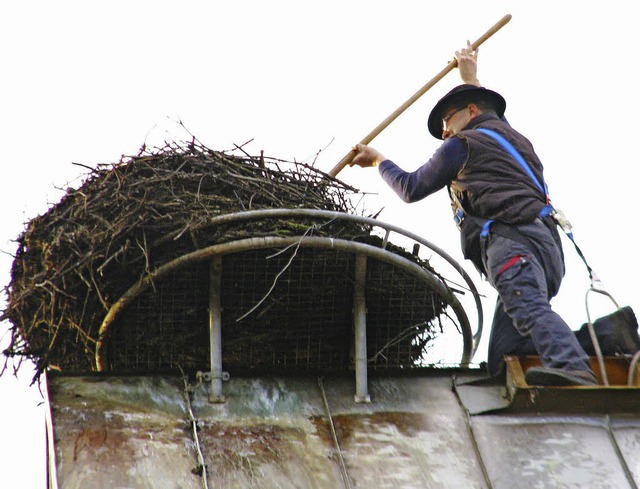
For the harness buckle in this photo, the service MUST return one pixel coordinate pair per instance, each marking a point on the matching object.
(486, 229)
(458, 217)
(562, 221)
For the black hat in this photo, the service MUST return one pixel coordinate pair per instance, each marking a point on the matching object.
(458, 96)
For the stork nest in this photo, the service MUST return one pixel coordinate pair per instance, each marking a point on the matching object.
(280, 310)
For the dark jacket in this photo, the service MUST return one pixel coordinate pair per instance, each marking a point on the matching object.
(491, 184)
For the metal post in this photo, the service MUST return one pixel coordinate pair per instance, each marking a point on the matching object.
(360, 324)
(215, 329)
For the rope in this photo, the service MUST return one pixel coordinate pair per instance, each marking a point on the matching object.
(594, 339)
(201, 468)
(566, 227)
(336, 443)
(631, 377)
(598, 351)
(592, 333)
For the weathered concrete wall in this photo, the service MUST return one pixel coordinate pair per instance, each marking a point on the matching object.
(276, 433)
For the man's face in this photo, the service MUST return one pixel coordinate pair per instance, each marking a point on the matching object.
(454, 119)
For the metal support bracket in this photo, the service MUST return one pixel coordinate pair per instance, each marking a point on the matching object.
(210, 376)
(360, 326)
(215, 331)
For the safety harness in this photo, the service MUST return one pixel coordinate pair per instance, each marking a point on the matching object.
(545, 212)
(596, 285)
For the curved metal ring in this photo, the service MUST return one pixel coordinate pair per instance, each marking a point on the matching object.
(274, 242)
(270, 213)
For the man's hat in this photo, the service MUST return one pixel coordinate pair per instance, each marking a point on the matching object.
(459, 96)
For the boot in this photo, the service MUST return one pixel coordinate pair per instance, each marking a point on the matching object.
(547, 376)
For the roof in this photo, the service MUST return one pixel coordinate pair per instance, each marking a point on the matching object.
(442, 428)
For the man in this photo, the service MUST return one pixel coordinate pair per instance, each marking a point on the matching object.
(502, 210)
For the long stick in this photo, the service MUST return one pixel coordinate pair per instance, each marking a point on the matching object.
(452, 64)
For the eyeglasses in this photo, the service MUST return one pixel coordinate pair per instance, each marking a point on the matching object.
(446, 119)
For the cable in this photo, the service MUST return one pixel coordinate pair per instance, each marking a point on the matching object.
(201, 468)
(336, 443)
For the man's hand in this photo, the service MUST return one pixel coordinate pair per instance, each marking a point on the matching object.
(366, 156)
(468, 65)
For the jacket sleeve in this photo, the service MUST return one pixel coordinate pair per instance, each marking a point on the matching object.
(435, 174)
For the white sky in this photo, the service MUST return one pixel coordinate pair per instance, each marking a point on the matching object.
(85, 83)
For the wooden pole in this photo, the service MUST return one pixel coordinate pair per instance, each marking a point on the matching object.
(452, 64)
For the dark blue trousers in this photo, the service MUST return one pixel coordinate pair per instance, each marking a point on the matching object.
(526, 280)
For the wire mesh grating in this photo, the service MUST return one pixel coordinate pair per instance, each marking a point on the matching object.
(282, 310)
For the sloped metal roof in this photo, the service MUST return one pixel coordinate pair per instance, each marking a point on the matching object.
(418, 431)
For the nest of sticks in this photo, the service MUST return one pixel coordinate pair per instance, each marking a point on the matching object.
(281, 310)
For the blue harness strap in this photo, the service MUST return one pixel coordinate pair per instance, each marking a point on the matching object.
(518, 157)
(547, 210)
